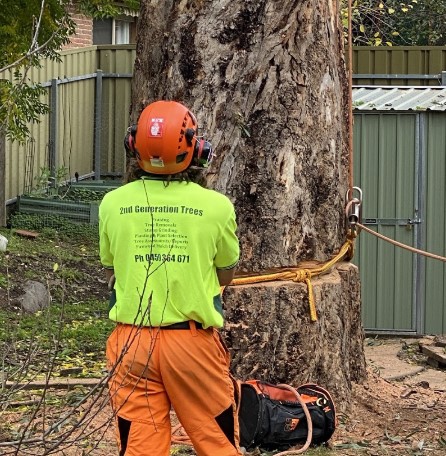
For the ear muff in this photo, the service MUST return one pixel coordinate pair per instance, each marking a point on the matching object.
(129, 142)
(203, 153)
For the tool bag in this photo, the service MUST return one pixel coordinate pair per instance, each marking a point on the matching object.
(271, 416)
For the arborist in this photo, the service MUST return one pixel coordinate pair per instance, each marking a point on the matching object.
(167, 245)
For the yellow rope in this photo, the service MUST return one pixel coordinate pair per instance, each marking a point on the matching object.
(300, 275)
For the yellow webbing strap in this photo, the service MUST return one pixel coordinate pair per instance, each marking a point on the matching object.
(299, 275)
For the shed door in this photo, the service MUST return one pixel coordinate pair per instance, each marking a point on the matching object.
(386, 168)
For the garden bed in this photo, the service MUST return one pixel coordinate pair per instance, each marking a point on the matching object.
(78, 203)
(76, 211)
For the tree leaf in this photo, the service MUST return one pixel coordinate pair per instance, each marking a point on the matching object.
(55, 267)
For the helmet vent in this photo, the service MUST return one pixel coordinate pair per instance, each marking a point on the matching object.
(181, 157)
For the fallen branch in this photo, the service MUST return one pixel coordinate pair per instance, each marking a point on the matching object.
(65, 383)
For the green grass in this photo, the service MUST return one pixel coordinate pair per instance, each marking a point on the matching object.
(72, 335)
(73, 330)
(51, 244)
(51, 226)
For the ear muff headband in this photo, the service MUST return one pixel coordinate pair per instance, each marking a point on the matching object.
(189, 135)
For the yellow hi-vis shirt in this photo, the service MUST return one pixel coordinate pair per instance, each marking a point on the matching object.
(165, 243)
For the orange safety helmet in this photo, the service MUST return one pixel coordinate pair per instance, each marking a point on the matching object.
(165, 142)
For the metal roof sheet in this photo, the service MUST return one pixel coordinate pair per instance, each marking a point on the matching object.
(399, 98)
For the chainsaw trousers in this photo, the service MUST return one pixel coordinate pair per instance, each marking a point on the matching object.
(153, 370)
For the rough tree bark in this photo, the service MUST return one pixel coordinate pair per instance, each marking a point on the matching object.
(267, 82)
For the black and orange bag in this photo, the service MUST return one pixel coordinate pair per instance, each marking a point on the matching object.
(276, 416)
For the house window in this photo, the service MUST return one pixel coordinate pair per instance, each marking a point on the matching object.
(102, 31)
(122, 32)
(119, 30)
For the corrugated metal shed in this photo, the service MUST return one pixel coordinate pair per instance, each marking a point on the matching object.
(399, 98)
(400, 165)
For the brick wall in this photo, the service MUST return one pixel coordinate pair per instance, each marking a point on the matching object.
(84, 32)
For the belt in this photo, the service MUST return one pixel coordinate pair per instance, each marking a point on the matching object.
(183, 325)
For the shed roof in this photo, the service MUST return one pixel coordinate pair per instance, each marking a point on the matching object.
(405, 98)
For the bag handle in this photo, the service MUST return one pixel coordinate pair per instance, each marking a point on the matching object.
(295, 450)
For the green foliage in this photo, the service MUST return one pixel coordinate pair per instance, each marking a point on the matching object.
(423, 25)
(48, 185)
(56, 187)
(48, 221)
(372, 20)
(85, 195)
(25, 29)
(28, 34)
(105, 8)
(392, 22)
(3, 280)
(53, 225)
(20, 104)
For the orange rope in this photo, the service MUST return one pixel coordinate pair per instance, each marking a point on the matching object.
(400, 244)
(294, 449)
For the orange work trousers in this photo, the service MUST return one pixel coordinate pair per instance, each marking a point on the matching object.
(154, 369)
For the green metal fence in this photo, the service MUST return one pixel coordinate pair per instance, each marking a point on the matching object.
(88, 92)
(402, 65)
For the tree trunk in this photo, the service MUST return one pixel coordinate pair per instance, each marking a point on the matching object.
(267, 82)
(2, 178)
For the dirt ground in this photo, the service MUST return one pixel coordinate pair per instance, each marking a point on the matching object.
(400, 410)
(405, 415)
(398, 417)
(387, 417)
(393, 418)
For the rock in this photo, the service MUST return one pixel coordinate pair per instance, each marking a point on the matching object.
(436, 356)
(440, 341)
(26, 233)
(70, 371)
(3, 243)
(426, 340)
(36, 297)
